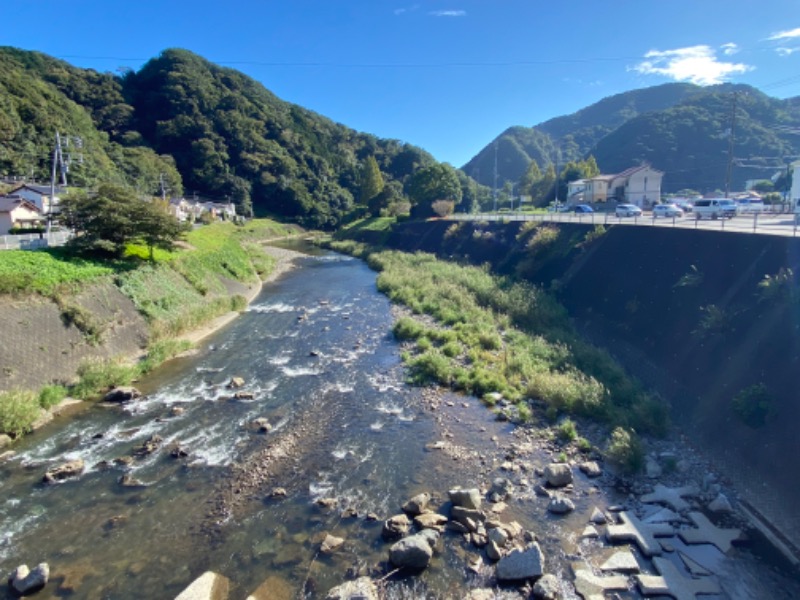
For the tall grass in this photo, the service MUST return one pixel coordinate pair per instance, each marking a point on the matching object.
(477, 332)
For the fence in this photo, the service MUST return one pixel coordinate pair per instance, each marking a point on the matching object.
(34, 241)
(767, 223)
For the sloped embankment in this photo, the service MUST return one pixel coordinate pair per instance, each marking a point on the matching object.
(710, 319)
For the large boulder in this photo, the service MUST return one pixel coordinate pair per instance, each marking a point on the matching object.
(5, 440)
(414, 551)
(395, 527)
(209, 586)
(362, 588)
(66, 470)
(467, 517)
(431, 521)
(417, 504)
(558, 474)
(560, 504)
(525, 563)
(24, 581)
(467, 498)
(122, 394)
(330, 544)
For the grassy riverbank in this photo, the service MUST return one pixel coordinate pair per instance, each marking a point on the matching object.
(207, 276)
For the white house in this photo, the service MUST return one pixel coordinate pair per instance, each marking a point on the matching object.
(16, 211)
(638, 185)
(575, 191)
(794, 193)
(39, 195)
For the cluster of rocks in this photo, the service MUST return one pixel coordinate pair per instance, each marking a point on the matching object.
(418, 531)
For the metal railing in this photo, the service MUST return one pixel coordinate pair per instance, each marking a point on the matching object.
(766, 223)
(34, 241)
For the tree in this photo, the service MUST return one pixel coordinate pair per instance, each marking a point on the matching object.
(544, 187)
(426, 186)
(764, 186)
(114, 217)
(443, 208)
(531, 177)
(371, 180)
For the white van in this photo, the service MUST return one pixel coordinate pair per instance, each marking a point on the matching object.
(714, 208)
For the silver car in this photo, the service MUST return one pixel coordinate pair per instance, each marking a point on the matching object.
(628, 210)
(666, 210)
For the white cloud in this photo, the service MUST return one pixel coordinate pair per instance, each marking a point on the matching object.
(729, 49)
(787, 51)
(407, 9)
(448, 13)
(696, 64)
(785, 35)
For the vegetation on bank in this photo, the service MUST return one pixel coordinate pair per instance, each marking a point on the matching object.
(480, 333)
(178, 291)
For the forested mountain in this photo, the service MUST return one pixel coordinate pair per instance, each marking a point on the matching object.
(209, 128)
(681, 129)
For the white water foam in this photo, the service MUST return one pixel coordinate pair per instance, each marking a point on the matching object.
(274, 307)
(300, 371)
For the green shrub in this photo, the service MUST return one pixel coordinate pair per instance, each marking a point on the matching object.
(161, 351)
(754, 405)
(18, 412)
(430, 366)
(407, 328)
(625, 450)
(51, 395)
(566, 431)
(525, 412)
(96, 378)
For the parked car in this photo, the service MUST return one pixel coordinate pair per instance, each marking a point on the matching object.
(714, 208)
(666, 210)
(684, 205)
(628, 210)
(582, 208)
(750, 206)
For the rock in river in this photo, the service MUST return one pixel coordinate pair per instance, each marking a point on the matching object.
(209, 586)
(395, 527)
(69, 469)
(527, 563)
(122, 394)
(360, 589)
(467, 498)
(417, 504)
(558, 474)
(560, 505)
(24, 581)
(415, 551)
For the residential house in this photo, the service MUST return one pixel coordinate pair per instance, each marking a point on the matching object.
(576, 191)
(16, 211)
(39, 195)
(794, 194)
(191, 210)
(638, 185)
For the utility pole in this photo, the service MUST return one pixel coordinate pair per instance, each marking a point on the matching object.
(58, 159)
(731, 139)
(555, 201)
(494, 190)
(163, 187)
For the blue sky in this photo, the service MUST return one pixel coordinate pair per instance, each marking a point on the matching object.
(447, 75)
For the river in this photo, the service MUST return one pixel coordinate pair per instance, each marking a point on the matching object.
(316, 353)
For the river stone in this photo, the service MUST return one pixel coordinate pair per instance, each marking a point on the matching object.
(149, 446)
(482, 594)
(466, 498)
(236, 382)
(417, 504)
(591, 468)
(598, 518)
(468, 517)
(330, 544)
(560, 505)
(558, 474)
(527, 563)
(209, 586)
(547, 588)
(413, 552)
(493, 551)
(5, 440)
(501, 489)
(362, 588)
(69, 469)
(395, 527)
(498, 535)
(273, 588)
(24, 581)
(122, 394)
(430, 521)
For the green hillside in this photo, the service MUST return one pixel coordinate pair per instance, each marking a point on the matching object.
(681, 129)
(210, 129)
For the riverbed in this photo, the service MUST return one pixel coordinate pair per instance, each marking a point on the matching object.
(347, 440)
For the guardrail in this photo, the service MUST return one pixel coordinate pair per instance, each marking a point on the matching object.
(761, 223)
(34, 241)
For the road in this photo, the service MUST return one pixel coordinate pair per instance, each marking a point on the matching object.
(765, 224)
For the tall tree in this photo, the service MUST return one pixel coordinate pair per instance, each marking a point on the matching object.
(371, 180)
(542, 190)
(426, 186)
(531, 177)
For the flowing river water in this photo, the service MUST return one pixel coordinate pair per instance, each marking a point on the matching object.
(316, 352)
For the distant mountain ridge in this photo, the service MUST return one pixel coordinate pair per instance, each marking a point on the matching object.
(681, 129)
